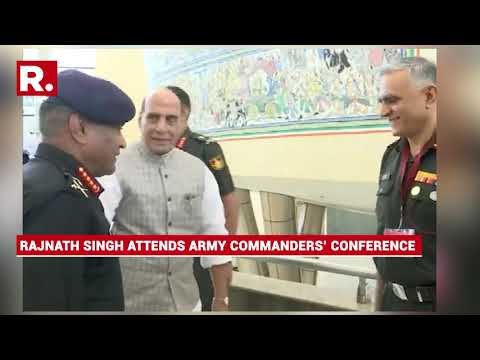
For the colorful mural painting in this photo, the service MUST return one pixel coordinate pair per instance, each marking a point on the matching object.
(239, 88)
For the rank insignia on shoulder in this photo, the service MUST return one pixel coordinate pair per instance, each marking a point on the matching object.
(89, 181)
(205, 139)
(181, 142)
(77, 185)
(217, 163)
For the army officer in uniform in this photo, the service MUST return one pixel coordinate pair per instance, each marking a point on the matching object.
(81, 138)
(407, 191)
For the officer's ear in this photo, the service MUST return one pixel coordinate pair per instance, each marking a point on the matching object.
(77, 127)
(430, 96)
(185, 112)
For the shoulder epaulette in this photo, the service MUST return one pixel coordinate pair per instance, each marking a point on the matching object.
(83, 182)
(202, 138)
(395, 143)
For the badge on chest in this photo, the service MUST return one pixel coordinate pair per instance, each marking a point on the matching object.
(424, 177)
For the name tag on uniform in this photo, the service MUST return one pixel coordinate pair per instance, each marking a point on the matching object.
(399, 232)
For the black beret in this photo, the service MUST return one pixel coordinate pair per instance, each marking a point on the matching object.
(97, 99)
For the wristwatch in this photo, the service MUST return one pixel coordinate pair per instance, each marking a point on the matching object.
(224, 300)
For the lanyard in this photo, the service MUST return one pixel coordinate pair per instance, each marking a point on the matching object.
(407, 177)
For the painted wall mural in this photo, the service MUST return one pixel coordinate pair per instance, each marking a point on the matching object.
(239, 88)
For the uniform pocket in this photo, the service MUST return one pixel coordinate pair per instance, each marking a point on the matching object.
(424, 192)
(422, 207)
(385, 185)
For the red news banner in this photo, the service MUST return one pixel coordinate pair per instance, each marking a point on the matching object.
(218, 245)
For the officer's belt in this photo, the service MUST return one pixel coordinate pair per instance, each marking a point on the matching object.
(414, 294)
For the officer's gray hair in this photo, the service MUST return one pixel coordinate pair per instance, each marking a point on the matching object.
(422, 71)
(53, 117)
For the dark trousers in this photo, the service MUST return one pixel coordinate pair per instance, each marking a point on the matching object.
(205, 285)
(392, 302)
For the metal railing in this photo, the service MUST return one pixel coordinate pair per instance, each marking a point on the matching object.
(317, 265)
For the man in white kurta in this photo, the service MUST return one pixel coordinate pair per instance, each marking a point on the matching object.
(158, 189)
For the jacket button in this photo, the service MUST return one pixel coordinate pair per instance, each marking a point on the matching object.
(169, 199)
(169, 273)
(169, 223)
(166, 176)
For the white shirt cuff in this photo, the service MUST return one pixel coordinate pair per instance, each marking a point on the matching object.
(208, 261)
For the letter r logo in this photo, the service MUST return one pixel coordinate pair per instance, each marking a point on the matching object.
(37, 78)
